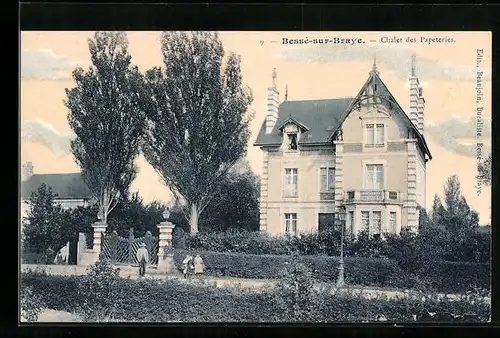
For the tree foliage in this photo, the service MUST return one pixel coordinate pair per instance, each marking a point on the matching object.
(235, 207)
(105, 113)
(197, 122)
(42, 225)
(484, 171)
(135, 213)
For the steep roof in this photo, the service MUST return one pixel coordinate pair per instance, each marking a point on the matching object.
(321, 117)
(66, 186)
(383, 93)
(324, 117)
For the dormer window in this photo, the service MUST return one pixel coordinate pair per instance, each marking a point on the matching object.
(292, 141)
(292, 131)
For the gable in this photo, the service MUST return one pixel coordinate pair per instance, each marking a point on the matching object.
(374, 91)
(66, 186)
(319, 117)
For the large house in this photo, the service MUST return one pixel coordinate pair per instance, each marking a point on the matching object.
(70, 188)
(361, 157)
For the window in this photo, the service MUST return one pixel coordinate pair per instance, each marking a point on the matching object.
(365, 220)
(292, 139)
(291, 182)
(291, 224)
(392, 222)
(375, 135)
(351, 221)
(327, 176)
(326, 221)
(377, 223)
(375, 176)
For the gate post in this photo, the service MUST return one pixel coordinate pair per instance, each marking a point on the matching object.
(165, 254)
(99, 230)
(130, 249)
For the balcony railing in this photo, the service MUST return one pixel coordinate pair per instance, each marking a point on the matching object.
(372, 196)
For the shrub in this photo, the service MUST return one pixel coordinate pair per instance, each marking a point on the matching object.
(164, 301)
(295, 293)
(100, 292)
(442, 276)
(433, 243)
(31, 304)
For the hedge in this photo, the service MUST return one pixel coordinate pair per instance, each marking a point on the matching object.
(451, 277)
(474, 247)
(148, 300)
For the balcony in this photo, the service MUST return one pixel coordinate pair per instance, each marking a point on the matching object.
(379, 196)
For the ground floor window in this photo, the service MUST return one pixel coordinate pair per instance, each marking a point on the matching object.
(351, 221)
(291, 223)
(392, 222)
(377, 224)
(326, 221)
(365, 220)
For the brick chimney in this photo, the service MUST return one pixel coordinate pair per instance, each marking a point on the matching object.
(272, 104)
(417, 102)
(26, 171)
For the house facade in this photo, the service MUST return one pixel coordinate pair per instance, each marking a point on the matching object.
(71, 190)
(362, 157)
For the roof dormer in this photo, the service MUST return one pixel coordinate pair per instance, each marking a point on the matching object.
(291, 130)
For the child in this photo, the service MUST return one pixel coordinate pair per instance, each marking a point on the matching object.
(198, 265)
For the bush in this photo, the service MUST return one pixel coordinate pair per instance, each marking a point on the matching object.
(431, 244)
(164, 301)
(100, 292)
(31, 304)
(442, 276)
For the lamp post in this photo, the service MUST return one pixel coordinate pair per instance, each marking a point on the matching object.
(166, 214)
(341, 222)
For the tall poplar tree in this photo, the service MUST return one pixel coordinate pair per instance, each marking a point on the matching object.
(105, 114)
(197, 121)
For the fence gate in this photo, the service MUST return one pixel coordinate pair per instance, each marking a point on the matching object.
(120, 250)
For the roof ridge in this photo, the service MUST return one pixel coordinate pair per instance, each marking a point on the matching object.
(310, 100)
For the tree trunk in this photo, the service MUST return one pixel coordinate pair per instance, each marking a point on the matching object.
(193, 219)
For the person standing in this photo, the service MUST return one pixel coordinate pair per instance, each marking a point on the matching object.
(186, 264)
(143, 257)
(198, 265)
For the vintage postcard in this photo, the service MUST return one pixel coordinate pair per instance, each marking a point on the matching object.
(255, 176)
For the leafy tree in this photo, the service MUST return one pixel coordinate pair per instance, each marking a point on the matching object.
(484, 170)
(42, 225)
(106, 115)
(236, 206)
(197, 123)
(423, 219)
(135, 213)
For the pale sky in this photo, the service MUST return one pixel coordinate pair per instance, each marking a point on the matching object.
(448, 72)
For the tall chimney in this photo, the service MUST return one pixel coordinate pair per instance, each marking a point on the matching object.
(272, 104)
(414, 89)
(420, 110)
(26, 171)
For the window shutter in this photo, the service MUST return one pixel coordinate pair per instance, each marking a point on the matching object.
(369, 134)
(380, 134)
(369, 176)
(331, 179)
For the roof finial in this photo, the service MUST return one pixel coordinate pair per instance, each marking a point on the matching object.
(286, 92)
(374, 67)
(274, 78)
(413, 63)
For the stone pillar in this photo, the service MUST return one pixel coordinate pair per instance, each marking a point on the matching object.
(99, 230)
(165, 252)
